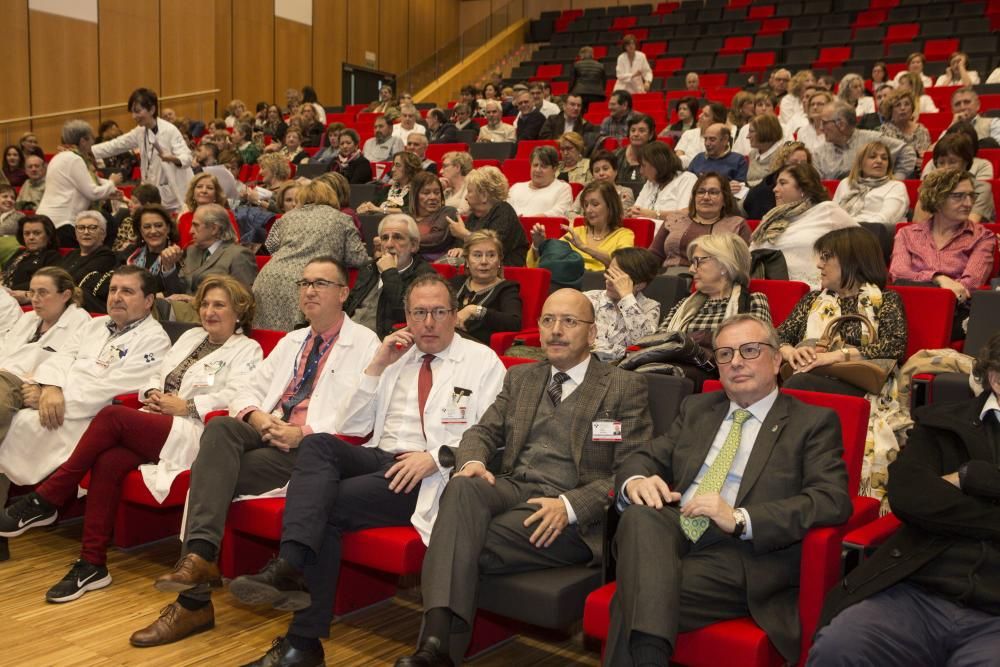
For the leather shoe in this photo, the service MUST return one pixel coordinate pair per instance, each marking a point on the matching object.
(428, 655)
(175, 623)
(283, 654)
(192, 572)
(278, 584)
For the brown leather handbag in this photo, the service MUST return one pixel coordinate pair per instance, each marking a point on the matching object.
(867, 374)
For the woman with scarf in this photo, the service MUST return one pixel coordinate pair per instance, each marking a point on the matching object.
(71, 182)
(803, 212)
(156, 249)
(428, 209)
(870, 193)
(396, 197)
(349, 161)
(38, 236)
(852, 281)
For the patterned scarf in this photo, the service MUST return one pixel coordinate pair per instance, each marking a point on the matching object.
(855, 199)
(777, 220)
(344, 161)
(682, 318)
(826, 307)
(141, 256)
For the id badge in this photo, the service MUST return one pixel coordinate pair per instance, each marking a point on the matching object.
(204, 381)
(606, 430)
(455, 412)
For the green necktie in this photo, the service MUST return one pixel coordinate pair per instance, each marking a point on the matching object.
(713, 480)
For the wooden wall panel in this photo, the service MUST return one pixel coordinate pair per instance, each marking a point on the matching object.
(129, 46)
(394, 35)
(224, 52)
(446, 24)
(364, 21)
(63, 71)
(187, 62)
(253, 51)
(293, 54)
(329, 46)
(16, 99)
(422, 38)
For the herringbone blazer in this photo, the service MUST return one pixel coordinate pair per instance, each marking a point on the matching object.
(606, 393)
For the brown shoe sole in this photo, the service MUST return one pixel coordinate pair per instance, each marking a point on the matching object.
(170, 586)
(203, 628)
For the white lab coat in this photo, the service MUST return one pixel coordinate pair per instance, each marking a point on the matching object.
(91, 374)
(70, 189)
(172, 181)
(210, 383)
(468, 365)
(21, 358)
(625, 69)
(10, 311)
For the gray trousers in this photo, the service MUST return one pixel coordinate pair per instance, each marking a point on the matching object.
(232, 461)
(480, 530)
(668, 585)
(11, 401)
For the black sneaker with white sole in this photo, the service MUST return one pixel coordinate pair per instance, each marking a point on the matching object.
(28, 511)
(82, 577)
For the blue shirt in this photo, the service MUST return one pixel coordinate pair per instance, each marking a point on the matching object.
(731, 165)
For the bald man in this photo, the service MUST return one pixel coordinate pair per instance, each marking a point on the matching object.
(718, 156)
(545, 506)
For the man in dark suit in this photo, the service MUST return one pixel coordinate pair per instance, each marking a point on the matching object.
(529, 120)
(440, 130)
(589, 80)
(874, 120)
(212, 250)
(546, 506)
(931, 594)
(715, 510)
(570, 119)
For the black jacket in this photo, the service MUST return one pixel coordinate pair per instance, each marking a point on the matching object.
(529, 126)
(445, 134)
(358, 170)
(92, 275)
(502, 219)
(390, 301)
(588, 78)
(555, 126)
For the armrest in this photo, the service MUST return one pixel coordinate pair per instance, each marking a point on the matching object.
(128, 400)
(215, 413)
(872, 535)
(501, 341)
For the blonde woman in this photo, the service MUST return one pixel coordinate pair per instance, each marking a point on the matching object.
(870, 193)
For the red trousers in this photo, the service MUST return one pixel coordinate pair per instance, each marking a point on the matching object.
(118, 440)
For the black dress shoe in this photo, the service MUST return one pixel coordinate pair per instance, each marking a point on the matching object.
(278, 584)
(283, 654)
(428, 655)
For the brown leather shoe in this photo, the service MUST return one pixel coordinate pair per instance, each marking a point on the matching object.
(192, 572)
(175, 623)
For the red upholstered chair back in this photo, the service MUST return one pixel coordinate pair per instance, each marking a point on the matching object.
(267, 339)
(436, 151)
(553, 226)
(782, 295)
(534, 290)
(929, 313)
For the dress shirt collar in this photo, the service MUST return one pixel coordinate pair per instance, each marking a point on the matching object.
(576, 374)
(333, 330)
(771, 151)
(446, 353)
(759, 409)
(215, 246)
(990, 405)
(115, 332)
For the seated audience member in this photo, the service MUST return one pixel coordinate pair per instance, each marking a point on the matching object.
(312, 129)
(407, 124)
(123, 163)
(691, 142)
(195, 377)
(252, 451)
(384, 145)
(120, 230)
(376, 300)
(340, 187)
(495, 129)
(396, 197)
(315, 228)
(604, 167)
(385, 103)
(101, 358)
(156, 244)
(852, 92)
(741, 112)
(588, 81)
(440, 130)
(337, 487)
(834, 159)
(349, 161)
(957, 150)
(957, 73)
(965, 106)
(570, 119)
(803, 212)
(641, 131)
(632, 69)
(330, 145)
(687, 117)
(546, 508)
(455, 166)
(487, 303)
(540, 93)
(428, 209)
(852, 282)
(874, 121)
(544, 195)
(718, 157)
(489, 209)
(91, 262)
(9, 215)
(914, 64)
(765, 139)
(461, 116)
(791, 109)
(935, 606)
(417, 144)
(13, 166)
(26, 341)
(948, 249)
(901, 121)
(911, 82)
(30, 194)
(275, 126)
(622, 313)
(760, 198)
(37, 236)
(260, 204)
(291, 148)
(234, 112)
(811, 134)
(203, 189)
(694, 514)
(529, 120)
(668, 187)
(692, 82)
(601, 234)
(72, 184)
(870, 193)
(573, 167)
(615, 125)
(711, 209)
(244, 144)
(207, 155)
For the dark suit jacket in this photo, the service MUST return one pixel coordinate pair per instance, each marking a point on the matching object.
(555, 126)
(936, 516)
(389, 310)
(605, 390)
(230, 258)
(588, 78)
(446, 134)
(795, 479)
(870, 121)
(530, 125)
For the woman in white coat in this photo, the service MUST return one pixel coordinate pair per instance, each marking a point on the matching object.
(195, 378)
(870, 193)
(164, 156)
(633, 70)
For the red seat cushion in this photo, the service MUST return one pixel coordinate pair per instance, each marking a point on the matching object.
(260, 517)
(134, 490)
(398, 550)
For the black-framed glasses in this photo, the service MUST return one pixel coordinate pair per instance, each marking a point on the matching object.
(420, 314)
(568, 321)
(748, 351)
(317, 284)
(698, 261)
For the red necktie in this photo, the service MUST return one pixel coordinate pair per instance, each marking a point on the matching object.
(425, 380)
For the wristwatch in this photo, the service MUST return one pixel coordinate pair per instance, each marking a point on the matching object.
(741, 523)
(480, 312)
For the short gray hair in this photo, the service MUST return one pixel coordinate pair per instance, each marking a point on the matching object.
(411, 225)
(74, 131)
(845, 112)
(770, 334)
(93, 215)
(217, 215)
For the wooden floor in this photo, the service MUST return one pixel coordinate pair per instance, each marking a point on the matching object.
(94, 630)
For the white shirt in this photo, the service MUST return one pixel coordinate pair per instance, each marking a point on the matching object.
(402, 133)
(886, 204)
(927, 81)
(790, 111)
(549, 109)
(927, 105)
(552, 201)
(624, 69)
(989, 406)
(865, 105)
(673, 196)
(812, 139)
(402, 432)
(946, 80)
(689, 145)
(70, 189)
(994, 76)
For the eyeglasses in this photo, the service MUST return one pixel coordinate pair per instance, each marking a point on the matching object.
(698, 261)
(748, 351)
(707, 193)
(87, 228)
(959, 197)
(420, 314)
(568, 321)
(317, 284)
